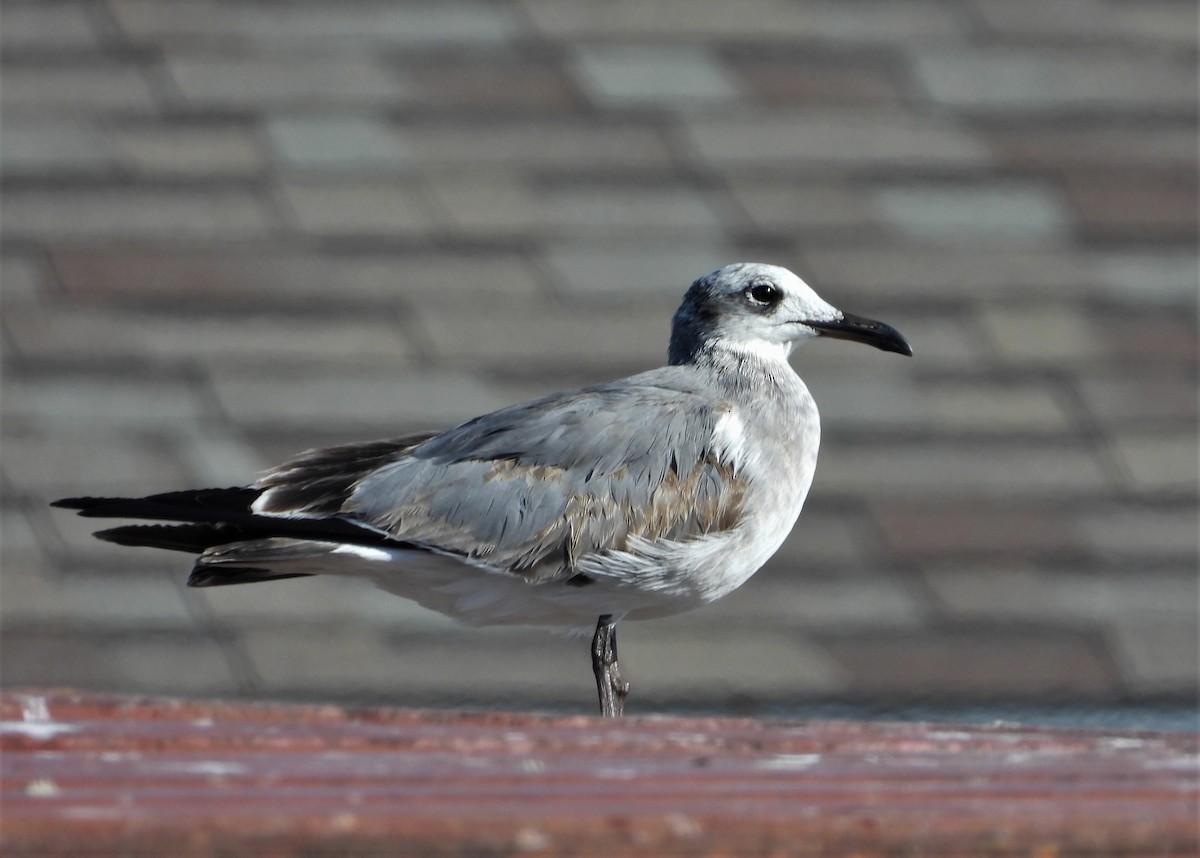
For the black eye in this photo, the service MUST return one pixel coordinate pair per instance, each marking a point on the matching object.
(765, 294)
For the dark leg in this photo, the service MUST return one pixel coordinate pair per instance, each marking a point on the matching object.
(610, 684)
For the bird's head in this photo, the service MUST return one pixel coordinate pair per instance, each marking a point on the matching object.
(765, 309)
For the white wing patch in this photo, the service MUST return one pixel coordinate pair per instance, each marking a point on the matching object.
(729, 440)
(366, 552)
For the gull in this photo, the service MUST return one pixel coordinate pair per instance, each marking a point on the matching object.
(635, 499)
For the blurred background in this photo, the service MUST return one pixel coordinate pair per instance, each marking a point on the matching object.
(233, 231)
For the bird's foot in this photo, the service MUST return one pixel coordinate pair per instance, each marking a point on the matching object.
(610, 684)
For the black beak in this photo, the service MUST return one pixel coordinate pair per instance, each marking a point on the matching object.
(867, 331)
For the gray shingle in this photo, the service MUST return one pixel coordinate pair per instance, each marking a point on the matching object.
(946, 470)
(54, 147)
(625, 270)
(41, 26)
(1161, 463)
(1157, 657)
(335, 142)
(767, 20)
(173, 151)
(308, 25)
(554, 143)
(263, 82)
(1014, 79)
(110, 214)
(849, 139)
(353, 401)
(1030, 213)
(1147, 535)
(669, 77)
(354, 207)
(1167, 22)
(72, 90)
(497, 202)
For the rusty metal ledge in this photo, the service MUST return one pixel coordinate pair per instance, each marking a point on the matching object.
(100, 774)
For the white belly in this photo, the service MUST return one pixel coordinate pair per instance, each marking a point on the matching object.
(650, 580)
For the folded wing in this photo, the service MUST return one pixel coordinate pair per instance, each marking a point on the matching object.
(533, 488)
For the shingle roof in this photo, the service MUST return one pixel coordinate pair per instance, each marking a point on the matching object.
(227, 225)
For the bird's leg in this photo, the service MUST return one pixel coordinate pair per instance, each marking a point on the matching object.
(610, 684)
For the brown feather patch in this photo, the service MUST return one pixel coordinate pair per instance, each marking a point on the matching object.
(708, 499)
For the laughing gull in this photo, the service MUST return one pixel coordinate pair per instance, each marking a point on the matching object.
(636, 499)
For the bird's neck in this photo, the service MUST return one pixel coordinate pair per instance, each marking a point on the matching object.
(723, 353)
(745, 364)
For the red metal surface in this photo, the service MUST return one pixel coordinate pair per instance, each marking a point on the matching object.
(95, 774)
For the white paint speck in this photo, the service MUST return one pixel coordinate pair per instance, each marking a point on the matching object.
(40, 730)
(34, 708)
(213, 768)
(689, 738)
(95, 812)
(42, 788)
(1122, 743)
(684, 826)
(530, 839)
(789, 762)
(949, 736)
(1174, 764)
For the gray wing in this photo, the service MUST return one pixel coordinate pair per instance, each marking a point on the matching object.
(534, 488)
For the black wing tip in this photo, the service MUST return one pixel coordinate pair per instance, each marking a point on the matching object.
(80, 503)
(207, 576)
(190, 538)
(183, 505)
(123, 535)
(90, 507)
(212, 517)
(104, 507)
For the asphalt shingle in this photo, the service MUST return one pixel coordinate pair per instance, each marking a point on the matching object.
(335, 142)
(187, 151)
(1020, 80)
(851, 140)
(669, 78)
(1028, 213)
(307, 25)
(254, 83)
(63, 91)
(114, 214)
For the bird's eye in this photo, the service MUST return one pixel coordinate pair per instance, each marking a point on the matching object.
(764, 294)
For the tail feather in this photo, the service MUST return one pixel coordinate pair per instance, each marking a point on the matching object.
(259, 560)
(234, 542)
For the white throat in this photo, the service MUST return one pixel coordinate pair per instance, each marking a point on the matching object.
(762, 350)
